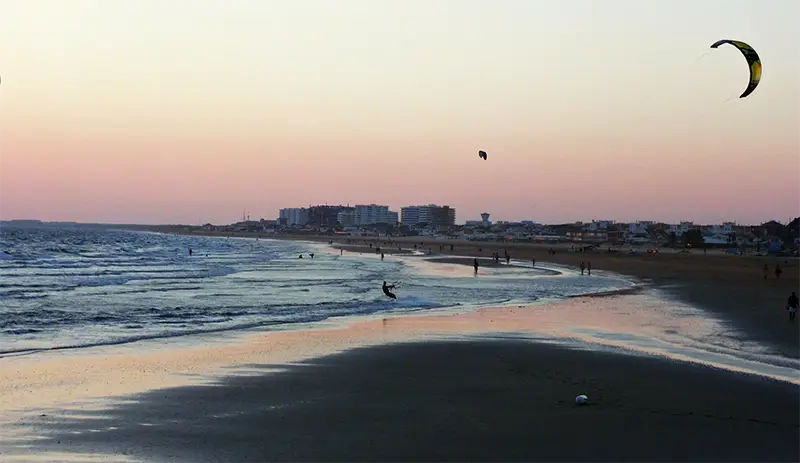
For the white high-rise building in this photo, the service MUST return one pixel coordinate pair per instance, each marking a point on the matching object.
(346, 218)
(371, 214)
(294, 216)
(409, 215)
(431, 214)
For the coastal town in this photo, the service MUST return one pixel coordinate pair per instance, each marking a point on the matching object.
(434, 221)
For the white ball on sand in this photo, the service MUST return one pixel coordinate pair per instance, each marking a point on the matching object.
(581, 400)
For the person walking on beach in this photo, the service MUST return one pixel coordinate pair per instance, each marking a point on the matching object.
(778, 271)
(792, 306)
(381, 256)
(766, 271)
(386, 291)
(583, 267)
(190, 252)
(589, 267)
(475, 264)
(534, 261)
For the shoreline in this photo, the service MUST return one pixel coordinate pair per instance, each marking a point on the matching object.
(233, 330)
(726, 286)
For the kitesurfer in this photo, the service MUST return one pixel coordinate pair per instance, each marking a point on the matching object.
(386, 291)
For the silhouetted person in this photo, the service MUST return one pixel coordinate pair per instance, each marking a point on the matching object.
(386, 291)
(190, 251)
(534, 261)
(589, 267)
(792, 305)
(475, 264)
(766, 271)
(583, 267)
(312, 255)
(778, 271)
(381, 256)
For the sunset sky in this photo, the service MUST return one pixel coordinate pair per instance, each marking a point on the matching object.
(166, 111)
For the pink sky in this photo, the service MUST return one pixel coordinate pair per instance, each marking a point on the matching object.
(144, 112)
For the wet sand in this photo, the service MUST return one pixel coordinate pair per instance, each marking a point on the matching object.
(450, 385)
(482, 400)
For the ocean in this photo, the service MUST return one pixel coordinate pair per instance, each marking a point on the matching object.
(77, 286)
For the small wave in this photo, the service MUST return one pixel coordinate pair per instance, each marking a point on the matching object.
(22, 331)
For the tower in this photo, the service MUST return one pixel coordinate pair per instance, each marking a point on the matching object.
(485, 217)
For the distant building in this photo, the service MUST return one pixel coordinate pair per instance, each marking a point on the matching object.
(325, 216)
(293, 216)
(600, 225)
(430, 214)
(681, 228)
(638, 228)
(346, 218)
(409, 215)
(484, 222)
(372, 214)
(725, 229)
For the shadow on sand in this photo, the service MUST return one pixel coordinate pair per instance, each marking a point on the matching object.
(494, 400)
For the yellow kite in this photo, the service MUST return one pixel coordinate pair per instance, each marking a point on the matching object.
(752, 60)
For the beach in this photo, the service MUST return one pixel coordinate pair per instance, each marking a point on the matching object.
(728, 285)
(481, 400)
(666, 381)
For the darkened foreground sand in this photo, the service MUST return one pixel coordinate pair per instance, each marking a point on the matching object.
(491, 400)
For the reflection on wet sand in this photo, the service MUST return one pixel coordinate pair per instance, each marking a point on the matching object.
(639, 322)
